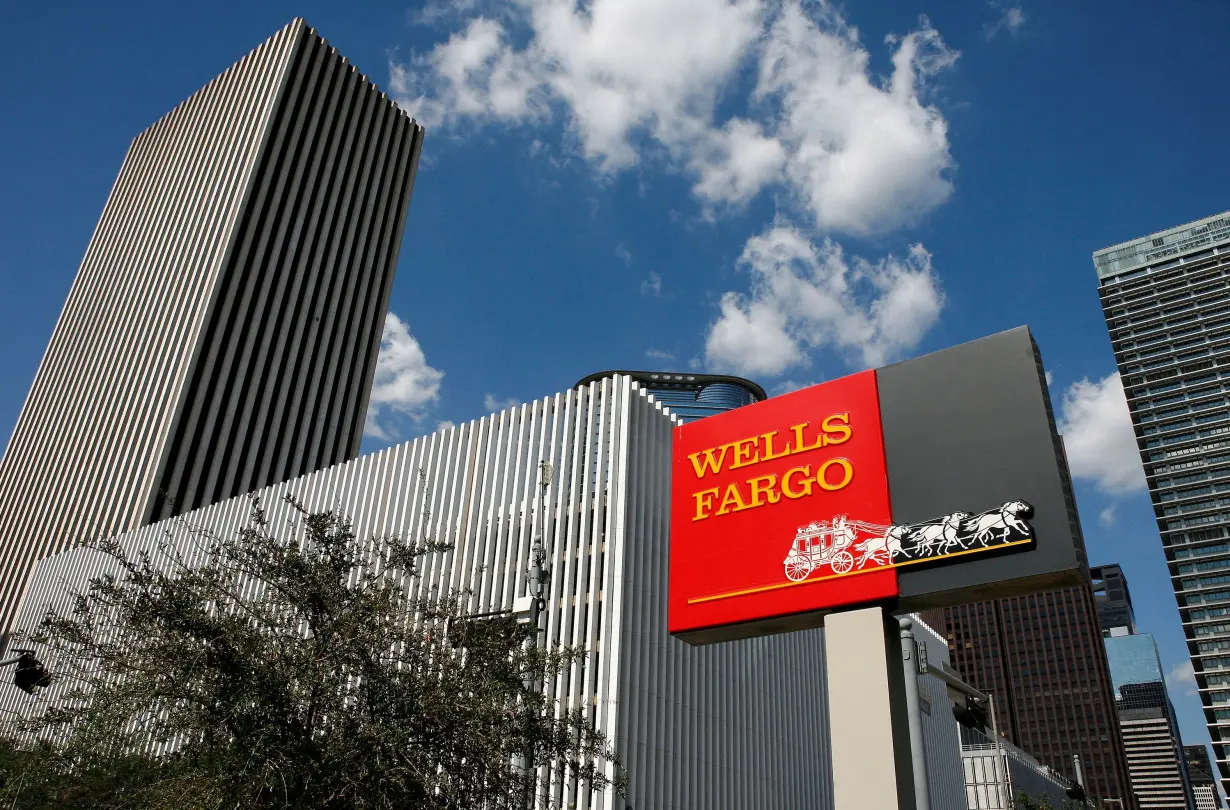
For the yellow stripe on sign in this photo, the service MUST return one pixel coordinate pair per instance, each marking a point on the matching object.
(778, 586)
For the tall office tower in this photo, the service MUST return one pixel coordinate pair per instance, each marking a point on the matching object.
(691, 396)
(1200, 777)
(1041, 656)
(223, 327)
(1151, 737)
(1166, 298)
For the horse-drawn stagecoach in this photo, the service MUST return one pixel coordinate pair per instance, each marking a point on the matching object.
(834, 542)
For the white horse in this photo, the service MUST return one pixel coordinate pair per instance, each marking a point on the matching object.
(998, 524)
(945, 533)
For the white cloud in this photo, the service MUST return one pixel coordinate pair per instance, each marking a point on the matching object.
(404, 382)
(623, 254)
(789, 386)
(1050, 378)
(1097, 433)
(1182, 677)
(445, 424)
(865, 155)
(656, 354)
(494, 404)
(807, 296)
(1011, 18)
(862, 153)
(1107, 516)
(802, 113)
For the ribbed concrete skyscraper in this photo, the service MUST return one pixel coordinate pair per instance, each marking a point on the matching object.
(222, 331)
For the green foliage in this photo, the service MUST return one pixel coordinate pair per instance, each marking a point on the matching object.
(1026, 802)
(262, 673)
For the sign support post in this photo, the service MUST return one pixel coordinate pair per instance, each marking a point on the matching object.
(868, 723)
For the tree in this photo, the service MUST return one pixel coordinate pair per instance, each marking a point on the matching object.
(270, 674)
(1026, 802)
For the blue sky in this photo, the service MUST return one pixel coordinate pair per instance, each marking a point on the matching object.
(787, 191)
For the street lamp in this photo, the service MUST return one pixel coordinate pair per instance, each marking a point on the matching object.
(30, 674)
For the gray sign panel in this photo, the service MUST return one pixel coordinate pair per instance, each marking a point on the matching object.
(970, 428)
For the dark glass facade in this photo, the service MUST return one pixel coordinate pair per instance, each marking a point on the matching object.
(1041, 657)
(1114, 601)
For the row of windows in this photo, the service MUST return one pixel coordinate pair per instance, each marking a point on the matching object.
(1204, 565)
(1175, 383)
(1202, 582)
(1212, 629)
(1196, 506)
(1208, 613)
(1217, 680)
(1205, 597)
(1154, 321)
(1218, 662)
(1184, 409)
(1214, 646)
(1194, 492)
(1202, 551)
(1181, 396)
(1136, 310)
(1177, 466)
(1219, 697)
(1179, 480)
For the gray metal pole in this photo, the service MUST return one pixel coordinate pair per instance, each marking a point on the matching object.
(1080, 780)
(918, 751)
(1004, 789)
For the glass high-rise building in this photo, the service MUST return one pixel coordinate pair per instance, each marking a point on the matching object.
(1166, 298)
(222, 330)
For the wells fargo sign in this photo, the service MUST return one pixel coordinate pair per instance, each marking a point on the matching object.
(857, 490)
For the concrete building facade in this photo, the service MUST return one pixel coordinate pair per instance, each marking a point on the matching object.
(222, 330)
(1166, 300)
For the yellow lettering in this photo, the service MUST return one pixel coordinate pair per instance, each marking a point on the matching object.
(710, 464)
(836, 425)
(769, 455)
(847, 474)
(745, 453)
(731, 501)
(800, 445)
(788, 490)
(764, 485)
(704, 502)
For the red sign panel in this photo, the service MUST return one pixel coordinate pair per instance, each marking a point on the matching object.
(781, 507)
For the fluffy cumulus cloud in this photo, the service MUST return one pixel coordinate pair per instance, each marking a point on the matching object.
(807, 296)
(1097, 433)
(862, 153)
(741, 97)
(405, 384)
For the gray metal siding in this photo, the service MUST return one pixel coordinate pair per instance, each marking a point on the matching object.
(223, 326)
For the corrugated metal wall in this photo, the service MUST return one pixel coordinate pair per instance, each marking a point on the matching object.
(735, 726)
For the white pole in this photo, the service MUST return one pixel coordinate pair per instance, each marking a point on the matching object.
(918, 751)
(1003, 789)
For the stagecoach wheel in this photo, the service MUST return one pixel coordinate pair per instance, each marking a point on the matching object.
(797, 568)
(843, 561)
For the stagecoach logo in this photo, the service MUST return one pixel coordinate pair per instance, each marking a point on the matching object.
(843, 546)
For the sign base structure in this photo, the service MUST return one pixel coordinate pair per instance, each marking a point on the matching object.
(869, 735)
